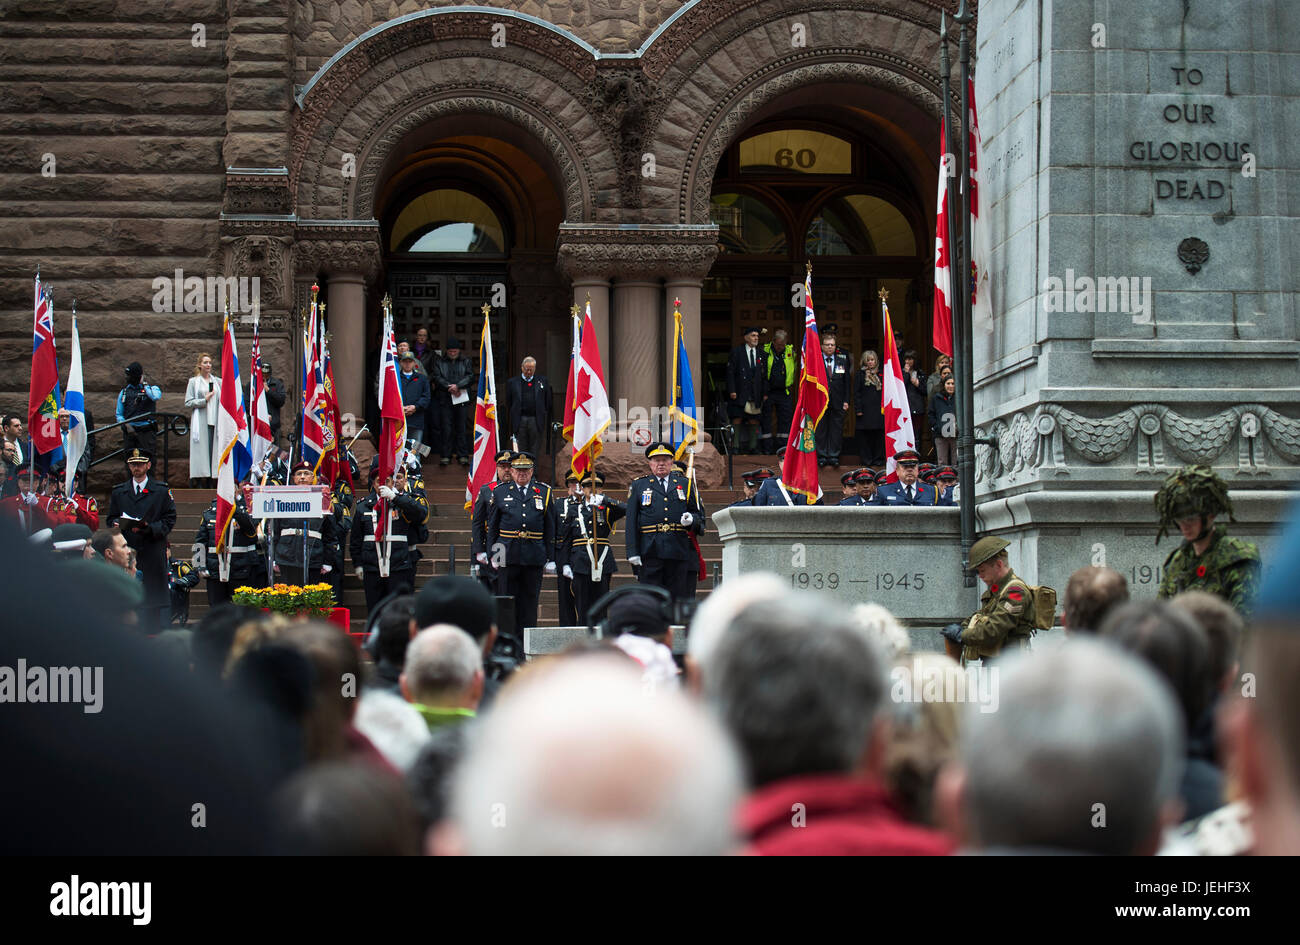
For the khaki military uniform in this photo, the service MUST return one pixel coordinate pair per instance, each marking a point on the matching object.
(1005, 620)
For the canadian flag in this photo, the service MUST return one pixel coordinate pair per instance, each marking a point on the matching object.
(898, 413)
(942, 261)
(591, 416)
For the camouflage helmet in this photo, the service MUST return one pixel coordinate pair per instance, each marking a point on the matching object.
(986, 548)
(1193, 490)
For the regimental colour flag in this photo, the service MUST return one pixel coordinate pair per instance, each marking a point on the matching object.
(74, 402)
(591, 414)
(685, 430)
(486, 435)
(42, 399)
(392, 435)
(898, 413)
(799, 468)
(313, 400)
(337, 464)
(942, 259)
(231, 437)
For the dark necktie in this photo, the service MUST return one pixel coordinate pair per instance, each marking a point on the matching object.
(751, 359)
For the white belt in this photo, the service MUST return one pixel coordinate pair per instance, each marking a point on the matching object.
(392, 537)
(238, 549)
(298, 531)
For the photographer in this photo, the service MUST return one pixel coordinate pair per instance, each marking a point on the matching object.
(135, 399)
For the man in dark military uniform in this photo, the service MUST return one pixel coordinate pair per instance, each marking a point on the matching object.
(847, 489)
(1208, 559)
(487, 573)
(663, 511)
(246, 565)
(772, 491)
(699, 572)
(908, 490)
(1005, 620)
(564, 508)
(586, 553)
(145, 511)
(864, 486)
(521, 538)
(945, 483)
(183, 577)
(316, 535)
(387, 566)
(751, 489)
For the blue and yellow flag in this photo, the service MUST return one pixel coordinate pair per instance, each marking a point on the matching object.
(685, 417)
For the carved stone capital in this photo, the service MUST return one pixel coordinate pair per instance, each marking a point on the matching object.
(648, 252)
(338, 246)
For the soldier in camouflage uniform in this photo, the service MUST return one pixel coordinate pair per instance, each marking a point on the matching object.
(1208, 559)
(1006, 616)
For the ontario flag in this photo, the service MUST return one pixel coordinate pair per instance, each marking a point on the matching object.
(575, 351)
(486, 436)
(313, 399)
(981, 301)
(799, 468)
(259, 413)
(43, 398)
(336, 464)
(591, 416)
(898, 413)
(942, 260)
(231, 436)
(392, 435)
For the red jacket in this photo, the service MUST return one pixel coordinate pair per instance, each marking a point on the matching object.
(832, 815)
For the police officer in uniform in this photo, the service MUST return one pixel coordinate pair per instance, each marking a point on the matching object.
(751, 488)
(564, 509)
(183, 576)
(408, 510)
(864, 484)
(586, 553)
(663, 511)
(145, 511)
(320, 539)
(1005, 620)
(521, 538)
(1208, 559)
(487, 573)
(341, 505)
(247, 567)
(772, 491)
(908, 490)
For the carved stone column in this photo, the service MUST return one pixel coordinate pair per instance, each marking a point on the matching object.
(638, 354)
(598, 290)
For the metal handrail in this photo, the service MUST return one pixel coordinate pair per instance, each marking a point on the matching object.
(176, 423)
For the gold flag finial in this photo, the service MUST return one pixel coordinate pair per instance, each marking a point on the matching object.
(883, 293)
(810, 267)
(486, 310)
(387, 303)
(574, 310)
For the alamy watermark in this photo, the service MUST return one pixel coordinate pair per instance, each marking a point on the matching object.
(70, 684)
(1129, 295)
(921, 682)
(181, 293)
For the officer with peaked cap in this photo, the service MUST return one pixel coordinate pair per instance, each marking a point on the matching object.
(1208, 559)
(1005, 620)
(487, 573)
(395, 552)
(586, 552)
(772, 491)
(908, 490)
(145, 511)
(852, 481)
(564, 509)
(521, 538)
(663, 511)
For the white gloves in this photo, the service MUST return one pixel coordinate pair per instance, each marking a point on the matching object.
(326, 568)
(550, 567)
(277, 568)
(481, 557)
(635, 561)
(359, 572)
(597, 499)
(387, 493)
(688, 519)
(30, 498)
(568, 572)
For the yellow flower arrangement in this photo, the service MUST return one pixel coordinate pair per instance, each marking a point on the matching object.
(314, 600)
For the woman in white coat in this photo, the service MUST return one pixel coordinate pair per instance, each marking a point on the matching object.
(203, 397)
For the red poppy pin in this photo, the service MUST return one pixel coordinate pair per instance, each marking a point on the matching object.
(1200, 570)
(144, 491)
(994, 588)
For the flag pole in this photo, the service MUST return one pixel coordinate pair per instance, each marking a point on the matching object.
(962, 291)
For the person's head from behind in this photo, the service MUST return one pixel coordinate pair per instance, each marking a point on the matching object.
(460, 601)
(1084, 754)
(335, 688)
(344, 809)
(642, 613)
(444, 669)
(1223, 627)
(392, 627)
(715, 615)
(799, 687)
(215, 635)
(1171, 643)
(1092, 592)
(110, 544)
(586, 762)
